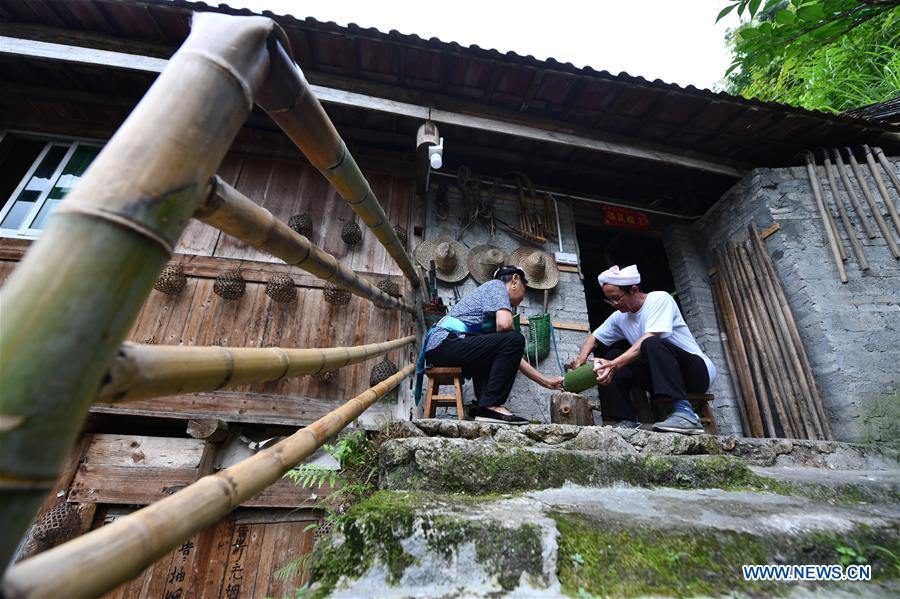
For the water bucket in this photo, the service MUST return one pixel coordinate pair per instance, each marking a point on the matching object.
(581, 378)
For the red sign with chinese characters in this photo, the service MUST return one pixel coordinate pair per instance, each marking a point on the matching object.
(625, 217)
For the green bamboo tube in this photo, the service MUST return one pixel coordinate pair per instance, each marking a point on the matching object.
(97, 562)
(288, 99)
(142, 371)
(230, 211)
(580, 379)
(71, 301)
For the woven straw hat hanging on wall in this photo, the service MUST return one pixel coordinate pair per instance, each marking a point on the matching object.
(484, 260)
(539, 267)
(449, 258)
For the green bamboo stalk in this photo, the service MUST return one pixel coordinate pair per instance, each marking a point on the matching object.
(100, 560)
(232, 212)
(291, 103)
(72, 300)
(143, 371)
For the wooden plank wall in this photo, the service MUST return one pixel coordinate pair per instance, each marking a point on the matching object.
(198, 316)
(236, 557)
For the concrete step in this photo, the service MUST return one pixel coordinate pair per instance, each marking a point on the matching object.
(592, 542)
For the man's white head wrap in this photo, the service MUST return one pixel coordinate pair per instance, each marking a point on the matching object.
(620, 276)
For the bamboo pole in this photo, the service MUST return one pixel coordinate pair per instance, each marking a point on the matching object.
(888, 168)
(230, 211)
(873, 205)
(289, 100)
(854, 199)
(785, 353)
(882, 188)
(799, 347)
(142, 371)
(830, 231)
(781, 392)
(781, 313)
(723, 265)
(842, 212)
(104, 558)
(70, 303)
(737, 369)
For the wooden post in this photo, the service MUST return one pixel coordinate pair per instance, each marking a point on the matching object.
(211, 429)
(842, 212)
(854, 199)
(571, 408)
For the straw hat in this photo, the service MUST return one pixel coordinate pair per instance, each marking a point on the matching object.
(449, 258)
(539, 267)
(483, 260)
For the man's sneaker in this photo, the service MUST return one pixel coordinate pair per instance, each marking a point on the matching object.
(488, 415)
(680, 422)
(626, 424)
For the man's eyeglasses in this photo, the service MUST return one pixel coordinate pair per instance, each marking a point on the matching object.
(612, 301)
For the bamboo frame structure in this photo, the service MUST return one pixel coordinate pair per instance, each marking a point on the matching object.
(291, 103)
(142, 371)
(72, 300)
(97, 562)
(230, 211)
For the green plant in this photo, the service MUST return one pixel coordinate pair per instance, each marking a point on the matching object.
(851, 555)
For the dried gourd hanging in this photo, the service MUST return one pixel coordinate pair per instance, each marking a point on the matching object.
(351, 233)
(334, 295)
(230, 285)
(281, 288)
(171, 280)
(326, 376)
(389, 287)
(402, 235)
(302, 224)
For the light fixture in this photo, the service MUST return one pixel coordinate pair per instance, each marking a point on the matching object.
(436, 155)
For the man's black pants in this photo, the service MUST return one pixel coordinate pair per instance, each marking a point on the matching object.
(663, 369)
(491, 360)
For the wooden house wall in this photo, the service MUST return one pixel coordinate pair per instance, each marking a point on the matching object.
(199, 317)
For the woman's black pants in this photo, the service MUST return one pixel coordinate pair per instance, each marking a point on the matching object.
(491, 360)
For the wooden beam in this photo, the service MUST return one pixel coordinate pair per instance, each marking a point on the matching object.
(671, 156)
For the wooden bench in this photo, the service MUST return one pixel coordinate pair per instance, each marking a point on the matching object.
(444, 375)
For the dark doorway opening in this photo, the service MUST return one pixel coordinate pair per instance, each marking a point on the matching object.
(601, 247)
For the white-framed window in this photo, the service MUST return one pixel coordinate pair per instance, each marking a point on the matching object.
(40, 172)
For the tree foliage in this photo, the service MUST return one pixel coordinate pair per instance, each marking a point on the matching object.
(830, 55)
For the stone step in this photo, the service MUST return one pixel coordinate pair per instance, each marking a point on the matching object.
(597, 542)
(486, 465)
(758, 452)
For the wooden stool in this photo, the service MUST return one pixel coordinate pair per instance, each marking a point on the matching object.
(700, 402)
(438, 376)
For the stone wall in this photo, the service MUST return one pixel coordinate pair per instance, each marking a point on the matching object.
(567, 303)
(851, 331)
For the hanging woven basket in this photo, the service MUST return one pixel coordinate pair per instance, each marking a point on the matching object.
(326, 376)
(230, 285)
(351, 233)
(171, 280)
(281, 288)
(336, 296)
(302, 224)
(389, 287)
(382, 371)
(402, 235)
